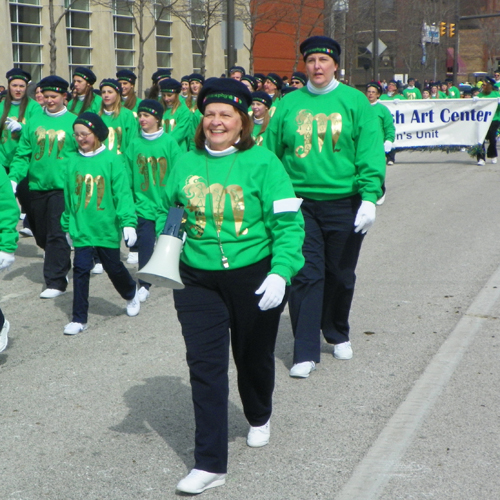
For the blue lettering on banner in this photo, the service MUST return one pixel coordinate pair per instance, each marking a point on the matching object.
(424, 117)
(430, 134)
(464, 116)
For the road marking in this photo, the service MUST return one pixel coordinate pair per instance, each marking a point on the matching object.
(380, 463)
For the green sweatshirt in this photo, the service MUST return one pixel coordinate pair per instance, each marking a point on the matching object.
(135, 108)
(9, 141)
(386, 97)
(148, 162)
(258, 137)
(251, 196)
(95, 105)
(453, 93)
(386, 121)
(412, 93)
(330, 144)
(179, 125)
(9, 215)
(122, 130)
(98, 200)
(494, 94)
(43, 151)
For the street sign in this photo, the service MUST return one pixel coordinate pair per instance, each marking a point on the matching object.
(381, 47)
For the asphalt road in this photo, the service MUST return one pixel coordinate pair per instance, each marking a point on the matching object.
(107, 414)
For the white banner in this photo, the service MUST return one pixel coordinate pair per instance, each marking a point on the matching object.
(441, 122)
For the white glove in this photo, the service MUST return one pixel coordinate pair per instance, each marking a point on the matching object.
(14, 186)
(475, 98)
(130, 236)
(273, 288)
(6, 259)
(69, 240)
(365, 217)
(13, 125)
(387, 146)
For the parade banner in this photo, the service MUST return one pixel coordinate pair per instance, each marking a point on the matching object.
(433, 123)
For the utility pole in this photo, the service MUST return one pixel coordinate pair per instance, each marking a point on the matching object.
(231, 52)
(375, 41)
(457, 44)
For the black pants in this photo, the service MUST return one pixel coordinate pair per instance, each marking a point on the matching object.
(116, 271)
(491, 137)
(46, 209)
(2, 319)
(146, 237)
(322, 292)
(215, 309)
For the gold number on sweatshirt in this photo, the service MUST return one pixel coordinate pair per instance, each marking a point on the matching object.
(158, 170)
(305, 121)
(115, 135)
(142, 163)
(89, 182)
(53, 135)
(100, 183)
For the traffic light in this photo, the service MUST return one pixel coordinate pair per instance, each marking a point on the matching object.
(452, 30)
(442, 28)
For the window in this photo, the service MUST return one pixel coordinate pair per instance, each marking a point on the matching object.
(123, 23)
(163, 37)
(197, 32)
(26, 30)
(78, 33)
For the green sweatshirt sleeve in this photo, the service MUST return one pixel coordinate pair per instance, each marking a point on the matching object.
(388, 124)
(9, 215)
(20, 164)
(122, 195)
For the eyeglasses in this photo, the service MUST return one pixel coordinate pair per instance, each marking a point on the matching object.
(83, 135)
(296, 81)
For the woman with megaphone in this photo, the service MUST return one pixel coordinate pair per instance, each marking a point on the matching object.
(244, 236)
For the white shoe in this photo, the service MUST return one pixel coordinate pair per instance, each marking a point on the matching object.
(97, 269)
(133, 258)
(342, 351)
(493, 160)
(481, 162)
(259, 436)
(134, 305)
(390, 163)
(51, 293)
(4, 339)
(197, 481)
(143, 294)
(380, 201)
(26, 231)
(302, 370)
(74, 328)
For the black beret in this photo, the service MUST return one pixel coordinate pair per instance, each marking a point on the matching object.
(151, 106)
(235, 69)
(287, 89)
(170, 86)
(298, 75)
(126, 75)
(160, 75)
(393, 81)
(54, 83)
(320, 44)
(18, 74)
(111, 82)
(490, 80)
(262, 97)
(185, 78)
(196, 77)
(276, 79)
(94, 122)
(251, 80)
(260, 77)
(227, 91)
(85, 73)
(376, 85)
(411, 79)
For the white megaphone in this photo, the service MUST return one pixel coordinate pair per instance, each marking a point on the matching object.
(162, 268)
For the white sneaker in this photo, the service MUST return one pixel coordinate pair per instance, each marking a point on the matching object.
(481, 162)
(51, 293)
(4, 339)
(197, 481)
(342, 351)
(133, 258)
(390, 163)
(26, 231)
(97, 269)
(134, 305)
(259, 436)
(493, 160)
(74, 328)
(143, 294)
(302, 370)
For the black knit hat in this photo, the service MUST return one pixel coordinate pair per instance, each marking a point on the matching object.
(160, 75)
(93, 122)
(17, 74)
(126, 75)
(490, 80)
(85, 73)
(262, 97)
(227, 91)
(236, 69)
(322, 45)
(287, 89)
(170, 86)
(111, 82)
(251, 80)
(54, 83)
(196, 77)
(151, 106)
(376, 85)
(301, 77)
(276, 79)
(185, 78)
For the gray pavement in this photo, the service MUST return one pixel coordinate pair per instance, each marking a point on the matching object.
(107, 414)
